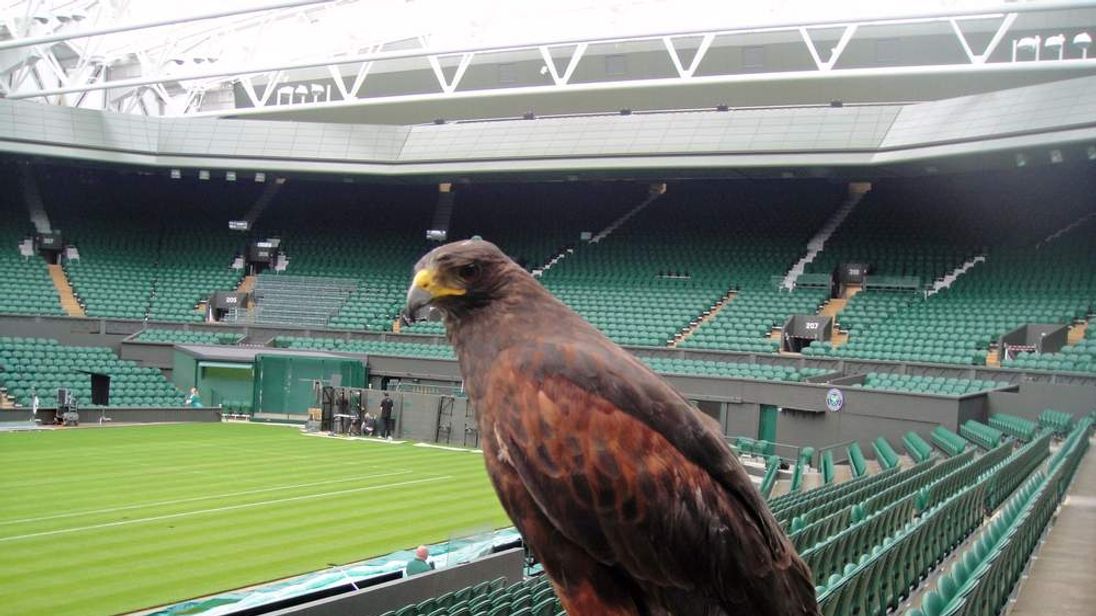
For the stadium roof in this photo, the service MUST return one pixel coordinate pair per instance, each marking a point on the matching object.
(290, 58)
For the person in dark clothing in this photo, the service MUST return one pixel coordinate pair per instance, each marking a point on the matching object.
(342, 408)
(386, 417)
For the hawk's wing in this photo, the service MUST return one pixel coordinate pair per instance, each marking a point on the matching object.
(622, 465)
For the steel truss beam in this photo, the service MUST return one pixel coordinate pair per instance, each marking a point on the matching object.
(448, 74)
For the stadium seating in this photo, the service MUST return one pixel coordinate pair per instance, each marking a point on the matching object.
(302, 301)
(36, 364)
(1061, 423)
(1080, 357)
(740, 370)
(914, 229)
(864, 310)
(927, 384)
(149, 247)
(1018, 427)
(948, 441)
(178, 336)
(879, 578)
(982, 577)
(886, 455)
(871, 542)
(25, 286)
(980, 434)
(189, 268)
(530, 597)
(1014, 287)
(534, 222)
(350, 232)
(857, 463)
(768, 482)
(662, 270)
(916, 446)
(398, 349)
(899, 232)
(744, 324)
(658, 364)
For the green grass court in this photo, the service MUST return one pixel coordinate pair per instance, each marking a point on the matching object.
(101, 521)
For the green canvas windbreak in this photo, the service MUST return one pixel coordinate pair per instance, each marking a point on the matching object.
(284, 384)
(219, 381)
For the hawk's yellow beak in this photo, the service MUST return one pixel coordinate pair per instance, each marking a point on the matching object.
(426, 280)
(424, 289)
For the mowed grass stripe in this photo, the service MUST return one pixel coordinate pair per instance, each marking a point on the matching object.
(139, 565)
(271, 547)
(254, 531)
(160, 483)
(194, 499)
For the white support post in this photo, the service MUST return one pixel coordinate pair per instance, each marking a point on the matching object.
(450, 86)
(843, 42)
(701, 50)
(1002, 29)
(572, 63)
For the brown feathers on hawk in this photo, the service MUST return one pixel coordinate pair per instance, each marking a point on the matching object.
(628, 495)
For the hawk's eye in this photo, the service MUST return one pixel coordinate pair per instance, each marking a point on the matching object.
(469, 272)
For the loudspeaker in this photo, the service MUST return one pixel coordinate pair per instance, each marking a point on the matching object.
(100, 389)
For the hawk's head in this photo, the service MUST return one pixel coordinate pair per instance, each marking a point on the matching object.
(456, 278)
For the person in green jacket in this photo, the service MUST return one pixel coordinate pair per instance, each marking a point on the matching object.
(418, 564)
(193, 399)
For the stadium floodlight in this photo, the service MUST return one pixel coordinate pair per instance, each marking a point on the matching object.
(1059, 41)
(1084, 41)
(1028, 43)
(285, 91)
(260, 177)
(230, 176)
(1056, 156)
(203, 174)
(176, 174)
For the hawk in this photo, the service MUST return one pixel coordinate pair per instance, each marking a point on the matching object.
(628, 495)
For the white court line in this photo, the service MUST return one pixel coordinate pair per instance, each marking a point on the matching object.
(171, 516)
(189, 500)
(446, 447)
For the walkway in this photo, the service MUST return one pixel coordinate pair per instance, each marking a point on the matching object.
(1062, 578)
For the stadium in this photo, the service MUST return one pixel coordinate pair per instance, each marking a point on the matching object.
(858, 238)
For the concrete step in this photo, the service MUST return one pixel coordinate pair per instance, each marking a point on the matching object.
(64, 290)
(833, 306)
(704, 318)
(246, 285)
(1077, 332)
(839, 337)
